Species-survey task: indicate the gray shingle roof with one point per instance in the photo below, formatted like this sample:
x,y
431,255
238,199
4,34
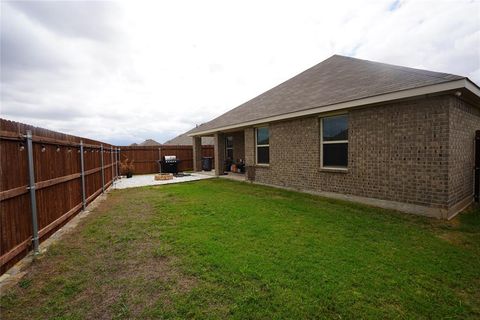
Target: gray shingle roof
x,y
149,143
184,140
335,80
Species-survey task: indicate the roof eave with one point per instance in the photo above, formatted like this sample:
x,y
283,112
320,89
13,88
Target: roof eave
x,y
403,94
472,87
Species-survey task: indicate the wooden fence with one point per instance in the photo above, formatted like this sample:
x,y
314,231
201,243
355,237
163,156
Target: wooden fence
x,y
57,183
145,159
60,190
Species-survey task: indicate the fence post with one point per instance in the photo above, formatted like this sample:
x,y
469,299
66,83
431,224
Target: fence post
x,y
103,172
116,162
82,174
31,187
111,161
160,159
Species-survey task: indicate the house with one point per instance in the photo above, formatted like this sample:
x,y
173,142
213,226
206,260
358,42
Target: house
x,y
184,140
149,143
146,143
380,134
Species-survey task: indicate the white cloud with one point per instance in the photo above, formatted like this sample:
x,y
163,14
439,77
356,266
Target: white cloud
x,y
126,71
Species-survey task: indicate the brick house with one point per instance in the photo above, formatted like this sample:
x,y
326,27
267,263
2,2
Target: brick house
x,y
380,134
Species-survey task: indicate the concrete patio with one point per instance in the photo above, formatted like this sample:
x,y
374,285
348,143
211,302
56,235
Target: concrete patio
x,y
149,180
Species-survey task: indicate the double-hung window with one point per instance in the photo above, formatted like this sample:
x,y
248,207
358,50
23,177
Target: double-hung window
x,y
334,142
262,144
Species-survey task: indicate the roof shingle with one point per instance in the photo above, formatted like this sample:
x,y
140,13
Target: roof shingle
x,y
184,140
335,80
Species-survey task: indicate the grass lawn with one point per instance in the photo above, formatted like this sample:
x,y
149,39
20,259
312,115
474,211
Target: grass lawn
x,y
223,249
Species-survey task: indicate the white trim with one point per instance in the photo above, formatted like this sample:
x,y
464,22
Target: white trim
x,y
335,141
261,145
452,85
333,168
472,87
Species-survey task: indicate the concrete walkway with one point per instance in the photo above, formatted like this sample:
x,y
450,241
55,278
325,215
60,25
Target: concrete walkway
x,y
149,180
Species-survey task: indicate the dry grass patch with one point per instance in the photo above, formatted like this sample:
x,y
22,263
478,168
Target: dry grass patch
x,y
114,265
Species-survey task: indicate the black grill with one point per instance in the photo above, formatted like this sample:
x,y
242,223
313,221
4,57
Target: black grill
x,y
169,164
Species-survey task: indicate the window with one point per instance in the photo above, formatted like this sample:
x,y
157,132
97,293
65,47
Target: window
x,y
229,147
263,145
334,142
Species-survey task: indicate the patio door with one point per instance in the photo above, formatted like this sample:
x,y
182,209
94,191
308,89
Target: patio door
x,y
229,148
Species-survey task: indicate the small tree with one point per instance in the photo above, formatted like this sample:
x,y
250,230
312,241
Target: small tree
x,y
127,167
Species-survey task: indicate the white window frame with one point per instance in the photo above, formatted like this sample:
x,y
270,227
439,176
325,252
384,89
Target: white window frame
x,y
262,145
332,142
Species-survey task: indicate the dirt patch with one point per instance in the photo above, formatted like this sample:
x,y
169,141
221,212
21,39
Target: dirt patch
x,y
453,237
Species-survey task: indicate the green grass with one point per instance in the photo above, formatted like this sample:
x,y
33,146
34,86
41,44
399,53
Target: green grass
x,y
220,249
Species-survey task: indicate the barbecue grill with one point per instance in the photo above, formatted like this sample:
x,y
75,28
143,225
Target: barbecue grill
x,y
169,164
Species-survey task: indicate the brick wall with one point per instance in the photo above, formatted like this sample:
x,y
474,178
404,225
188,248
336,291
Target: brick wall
x,y
249,136
397,152
238,145
464,121
219,147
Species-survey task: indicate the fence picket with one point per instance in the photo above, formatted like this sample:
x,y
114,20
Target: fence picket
x,y
63,182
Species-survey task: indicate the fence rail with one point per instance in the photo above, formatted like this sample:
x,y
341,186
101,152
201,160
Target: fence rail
x,y
41,183
47,177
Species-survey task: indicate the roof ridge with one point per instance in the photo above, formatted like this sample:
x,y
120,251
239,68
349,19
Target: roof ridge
x,y
424,72
272,88
335,80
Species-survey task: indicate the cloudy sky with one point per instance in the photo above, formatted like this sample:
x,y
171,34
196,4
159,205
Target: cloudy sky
x,y
122,72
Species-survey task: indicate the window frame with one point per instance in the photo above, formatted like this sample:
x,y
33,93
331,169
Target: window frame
x,y
227,147
322,142
262,145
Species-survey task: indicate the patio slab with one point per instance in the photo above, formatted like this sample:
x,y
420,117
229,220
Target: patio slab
x,y
149,180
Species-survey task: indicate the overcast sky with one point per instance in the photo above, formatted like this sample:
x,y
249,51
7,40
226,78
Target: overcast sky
x,y
122,72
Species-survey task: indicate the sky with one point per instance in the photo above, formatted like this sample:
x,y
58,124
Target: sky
x,y
125,71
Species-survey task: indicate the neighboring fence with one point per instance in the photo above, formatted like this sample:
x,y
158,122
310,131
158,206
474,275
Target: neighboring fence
x,y
45,168
145,159
59,189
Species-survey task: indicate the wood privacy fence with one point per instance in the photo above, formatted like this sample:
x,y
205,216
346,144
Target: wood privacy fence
x,y
57,185
64,174
145,159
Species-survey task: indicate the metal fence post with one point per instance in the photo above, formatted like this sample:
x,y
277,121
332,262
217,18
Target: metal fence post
x,y
160,160
103,171
118,162
82,174
111,161
31,187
